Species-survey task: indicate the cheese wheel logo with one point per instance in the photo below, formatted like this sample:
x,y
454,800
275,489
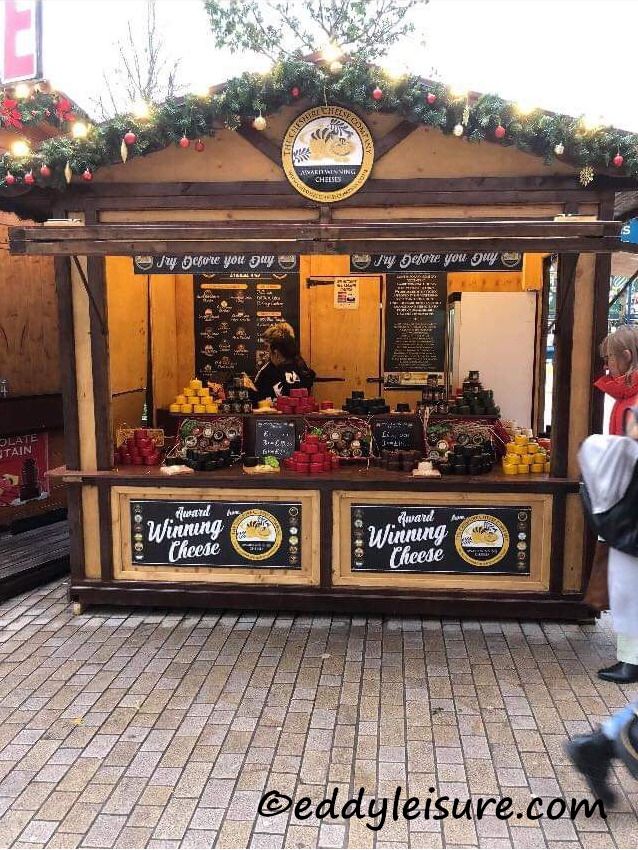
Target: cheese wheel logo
x,y
327,154
256,535
482,540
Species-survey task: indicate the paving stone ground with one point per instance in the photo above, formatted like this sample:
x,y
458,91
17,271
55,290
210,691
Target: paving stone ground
x,y
138,728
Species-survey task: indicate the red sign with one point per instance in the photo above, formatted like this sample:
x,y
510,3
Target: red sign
x,y
24,467
22,40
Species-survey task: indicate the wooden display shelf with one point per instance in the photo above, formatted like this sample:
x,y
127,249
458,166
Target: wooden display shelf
x,y
357,477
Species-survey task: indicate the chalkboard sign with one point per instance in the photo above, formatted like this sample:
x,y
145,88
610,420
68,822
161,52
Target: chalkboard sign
x,y
232,311
216,534
401,432
415,320
275,437
427,539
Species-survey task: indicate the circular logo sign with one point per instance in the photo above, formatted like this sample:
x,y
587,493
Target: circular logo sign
x,y
256,535
327,154
482,540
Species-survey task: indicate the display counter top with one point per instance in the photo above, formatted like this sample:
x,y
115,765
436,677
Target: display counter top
x,y
359,477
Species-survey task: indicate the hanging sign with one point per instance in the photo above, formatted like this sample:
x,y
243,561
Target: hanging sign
x,y
214,263
24,468
216,534
469,261
22,39
327,154
427,539
346,293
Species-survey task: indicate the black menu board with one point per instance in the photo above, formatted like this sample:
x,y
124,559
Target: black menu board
x,y
400,432
439,539
275,437
415,319
216,534
232,311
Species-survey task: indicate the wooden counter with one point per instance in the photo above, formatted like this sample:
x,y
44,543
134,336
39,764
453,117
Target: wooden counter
x,y
326,576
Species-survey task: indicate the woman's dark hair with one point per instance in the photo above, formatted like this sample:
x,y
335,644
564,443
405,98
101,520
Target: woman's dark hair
x,y
286,346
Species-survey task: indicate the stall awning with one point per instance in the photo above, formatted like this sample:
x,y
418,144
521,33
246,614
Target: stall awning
x,y
346,237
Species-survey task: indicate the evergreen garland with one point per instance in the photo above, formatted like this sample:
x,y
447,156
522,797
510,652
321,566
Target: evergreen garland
x,y
249,95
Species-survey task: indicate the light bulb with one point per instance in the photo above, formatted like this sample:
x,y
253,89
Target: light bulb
x,y
20,148
141,109
525,107
21,91
79,130
331,52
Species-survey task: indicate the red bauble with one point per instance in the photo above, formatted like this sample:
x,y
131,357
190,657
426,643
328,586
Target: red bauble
x,y
86,175
184,142
45,171
295,91
29,179
130,138
377,93
10,179
431,98
618,160
500,131
199,146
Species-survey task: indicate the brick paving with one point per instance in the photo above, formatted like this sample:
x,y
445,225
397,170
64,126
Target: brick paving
x,y
135,728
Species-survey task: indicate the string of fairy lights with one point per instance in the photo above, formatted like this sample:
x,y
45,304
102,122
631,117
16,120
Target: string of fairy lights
x,y
80,147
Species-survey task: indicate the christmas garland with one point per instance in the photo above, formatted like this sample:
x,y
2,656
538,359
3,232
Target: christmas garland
x,y
249,97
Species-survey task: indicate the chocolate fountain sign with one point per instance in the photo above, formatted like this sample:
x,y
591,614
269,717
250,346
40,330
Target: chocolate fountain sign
x,y
327,154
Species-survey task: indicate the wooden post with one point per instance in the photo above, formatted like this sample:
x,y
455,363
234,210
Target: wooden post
x,y
563,339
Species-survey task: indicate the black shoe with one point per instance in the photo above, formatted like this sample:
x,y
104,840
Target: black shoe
x,y
591,756
621,673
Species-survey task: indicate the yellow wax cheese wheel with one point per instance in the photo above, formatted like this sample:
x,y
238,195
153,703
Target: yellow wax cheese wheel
x,y
532,448
526,460
195,384
523,469
189,392
512,459
199,408
186,408
180,399
265,402
548,467
212,408
538,467
204,392
174,408
520,450
510,446
521,440
508,469
540,457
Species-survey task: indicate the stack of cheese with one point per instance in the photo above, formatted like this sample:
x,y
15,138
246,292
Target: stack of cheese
x,y
525,456
194,399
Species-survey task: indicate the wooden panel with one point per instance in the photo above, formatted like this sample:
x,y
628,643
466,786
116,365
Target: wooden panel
x,y
128,325
185,214
185,328
91,532
453,211
124,569
343,343
164,340
29,358
581,388
538,580
574,545
484,282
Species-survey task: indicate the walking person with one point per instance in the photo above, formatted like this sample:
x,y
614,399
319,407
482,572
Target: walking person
x,y
620,352
609,466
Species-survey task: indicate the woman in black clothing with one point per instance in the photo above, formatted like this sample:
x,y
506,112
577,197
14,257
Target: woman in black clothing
x,y
286,369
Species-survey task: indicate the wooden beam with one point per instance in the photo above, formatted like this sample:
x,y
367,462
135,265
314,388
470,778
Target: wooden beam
x,y
96,279
563,341
393,138
63,286
262,143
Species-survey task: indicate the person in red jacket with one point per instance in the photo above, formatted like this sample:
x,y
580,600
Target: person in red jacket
x,y
620,351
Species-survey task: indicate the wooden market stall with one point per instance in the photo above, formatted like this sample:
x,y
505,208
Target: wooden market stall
x,y
342,253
